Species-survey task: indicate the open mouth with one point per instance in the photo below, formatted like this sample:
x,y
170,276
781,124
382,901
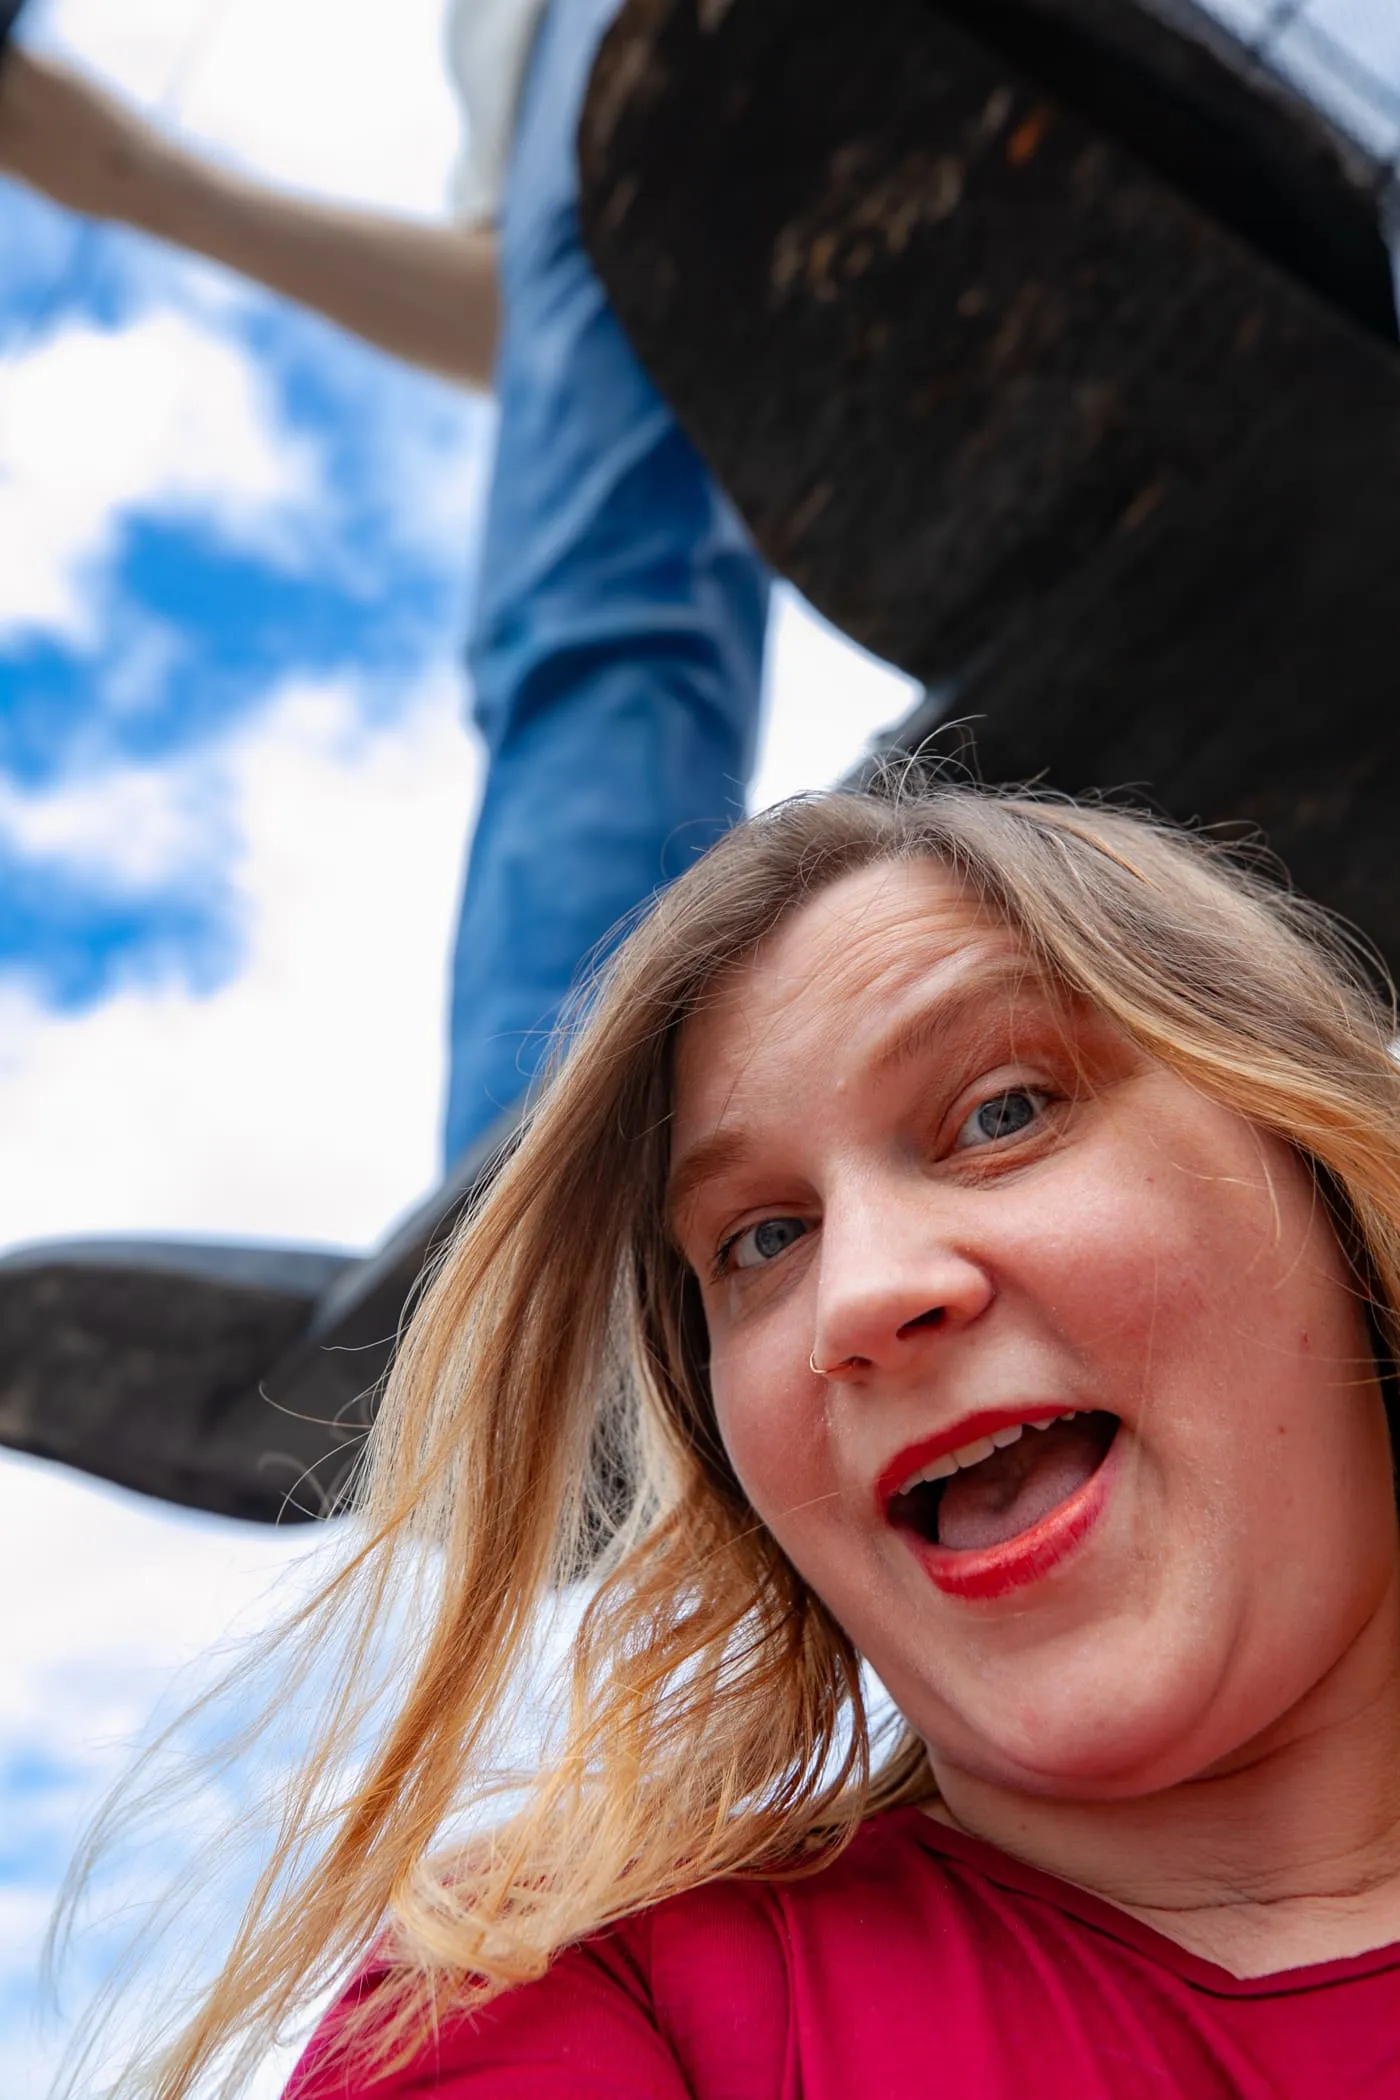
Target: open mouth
x,y
998,1486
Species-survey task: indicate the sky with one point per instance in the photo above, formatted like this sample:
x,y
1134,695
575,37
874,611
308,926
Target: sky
x,y
235,788
236,784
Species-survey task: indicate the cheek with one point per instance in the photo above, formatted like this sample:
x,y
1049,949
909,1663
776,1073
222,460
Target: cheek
x,y
1112,1282
1172,1266
773,1423
1219,1300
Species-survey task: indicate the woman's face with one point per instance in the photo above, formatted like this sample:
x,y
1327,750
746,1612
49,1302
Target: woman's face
x,y
978,1212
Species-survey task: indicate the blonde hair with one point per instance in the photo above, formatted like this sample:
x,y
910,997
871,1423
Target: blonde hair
x,y
549,1412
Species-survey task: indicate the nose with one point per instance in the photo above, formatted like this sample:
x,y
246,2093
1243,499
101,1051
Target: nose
x,y
892,1277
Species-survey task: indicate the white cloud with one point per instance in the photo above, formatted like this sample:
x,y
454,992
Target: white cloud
x,y
137,828
430,465
119,1595
163,416
195,1581
302,1101
827,701
242,78
422,449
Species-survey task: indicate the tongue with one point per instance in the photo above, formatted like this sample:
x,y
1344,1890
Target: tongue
x,y
1015,1488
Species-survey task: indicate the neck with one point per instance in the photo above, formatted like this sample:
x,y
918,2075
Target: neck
x,y
1286,1854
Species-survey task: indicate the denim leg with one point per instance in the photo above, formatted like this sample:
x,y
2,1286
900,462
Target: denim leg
x,y
617,647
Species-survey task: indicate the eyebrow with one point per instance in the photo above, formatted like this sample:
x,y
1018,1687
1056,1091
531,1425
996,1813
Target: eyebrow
x,y
726,1151
715,1156
947,1010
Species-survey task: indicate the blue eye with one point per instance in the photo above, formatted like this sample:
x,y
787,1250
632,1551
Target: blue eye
x,y
762,1243
1003,1116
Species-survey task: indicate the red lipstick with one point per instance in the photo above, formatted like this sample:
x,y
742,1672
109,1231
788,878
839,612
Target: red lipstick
x,y
990,1572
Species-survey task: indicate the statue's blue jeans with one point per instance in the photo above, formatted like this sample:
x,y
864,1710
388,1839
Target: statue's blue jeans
x,y
617,645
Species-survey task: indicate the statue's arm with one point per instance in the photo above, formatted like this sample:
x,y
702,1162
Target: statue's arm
x,y
425,293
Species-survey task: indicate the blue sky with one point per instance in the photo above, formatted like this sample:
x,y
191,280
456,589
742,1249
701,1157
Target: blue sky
x,y
235,789
191,598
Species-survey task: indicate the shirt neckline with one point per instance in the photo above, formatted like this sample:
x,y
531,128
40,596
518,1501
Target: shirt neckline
x,y
1095,1911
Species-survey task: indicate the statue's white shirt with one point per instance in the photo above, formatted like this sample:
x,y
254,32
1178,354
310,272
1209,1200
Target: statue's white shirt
x,y
488,48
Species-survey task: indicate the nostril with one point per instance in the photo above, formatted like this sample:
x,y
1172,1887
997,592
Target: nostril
x,y
934,1317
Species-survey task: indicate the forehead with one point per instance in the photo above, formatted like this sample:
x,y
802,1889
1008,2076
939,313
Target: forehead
x,y
881,945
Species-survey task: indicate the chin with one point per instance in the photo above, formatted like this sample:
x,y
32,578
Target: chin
x,y
1085,1739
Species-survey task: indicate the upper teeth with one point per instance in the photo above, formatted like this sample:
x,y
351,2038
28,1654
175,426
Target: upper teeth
x,y
973,1454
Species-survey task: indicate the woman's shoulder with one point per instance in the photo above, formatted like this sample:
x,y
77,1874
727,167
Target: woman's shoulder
x,y
691,1997
732,1964
745,1918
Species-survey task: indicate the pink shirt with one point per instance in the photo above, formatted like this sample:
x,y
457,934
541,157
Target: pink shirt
x,y
921,1964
